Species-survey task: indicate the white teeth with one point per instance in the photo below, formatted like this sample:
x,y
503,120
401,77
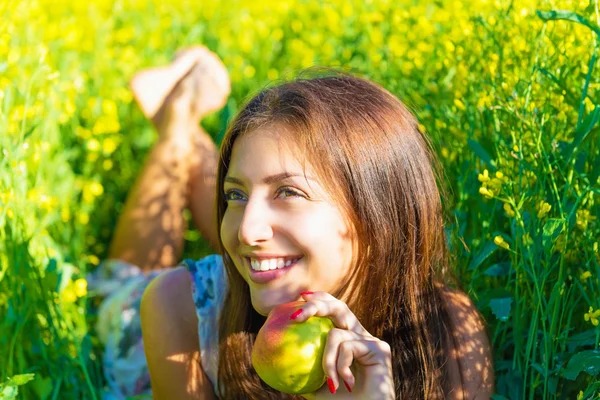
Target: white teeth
x,y
265,265
270,264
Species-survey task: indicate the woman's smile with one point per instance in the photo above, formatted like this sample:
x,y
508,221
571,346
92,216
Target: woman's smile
x,y
266,270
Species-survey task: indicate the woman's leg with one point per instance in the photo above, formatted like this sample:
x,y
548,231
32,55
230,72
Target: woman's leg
x,y
180,169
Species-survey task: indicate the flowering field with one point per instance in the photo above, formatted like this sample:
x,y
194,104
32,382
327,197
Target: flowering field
x,y
508,90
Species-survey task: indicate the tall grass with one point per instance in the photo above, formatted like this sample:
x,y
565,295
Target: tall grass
x,y
508,90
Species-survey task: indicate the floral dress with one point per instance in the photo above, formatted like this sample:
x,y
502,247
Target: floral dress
x,y
119,326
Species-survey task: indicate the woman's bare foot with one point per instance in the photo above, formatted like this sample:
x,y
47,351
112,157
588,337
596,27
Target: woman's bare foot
x,y
196,83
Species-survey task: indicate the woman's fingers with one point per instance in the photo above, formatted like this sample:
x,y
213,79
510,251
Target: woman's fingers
x,y
344,347
322,304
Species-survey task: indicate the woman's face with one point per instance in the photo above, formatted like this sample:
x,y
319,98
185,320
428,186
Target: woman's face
x,y
282,230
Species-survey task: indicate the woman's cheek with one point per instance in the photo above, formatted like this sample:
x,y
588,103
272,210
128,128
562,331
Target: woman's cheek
x,y
229,229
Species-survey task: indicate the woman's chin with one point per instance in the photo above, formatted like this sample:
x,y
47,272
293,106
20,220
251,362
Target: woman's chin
x,y
264,304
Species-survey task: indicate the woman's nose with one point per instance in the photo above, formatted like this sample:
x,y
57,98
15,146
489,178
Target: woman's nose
x,y
255,226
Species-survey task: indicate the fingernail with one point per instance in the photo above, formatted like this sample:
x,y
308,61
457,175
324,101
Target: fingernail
x,y
295,314
331,385
348,387
305,293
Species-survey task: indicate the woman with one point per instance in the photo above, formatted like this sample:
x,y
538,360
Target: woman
x,y
324,186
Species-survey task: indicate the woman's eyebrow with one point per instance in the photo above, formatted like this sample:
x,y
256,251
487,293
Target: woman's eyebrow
x,y
269,179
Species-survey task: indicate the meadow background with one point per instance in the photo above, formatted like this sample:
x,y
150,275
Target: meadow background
x,y
508,90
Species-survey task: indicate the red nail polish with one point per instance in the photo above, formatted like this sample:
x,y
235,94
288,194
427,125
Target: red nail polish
x,y
295,314
331,386
348,387
305,293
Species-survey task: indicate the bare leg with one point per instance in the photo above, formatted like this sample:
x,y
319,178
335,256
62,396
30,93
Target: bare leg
x,y
150,229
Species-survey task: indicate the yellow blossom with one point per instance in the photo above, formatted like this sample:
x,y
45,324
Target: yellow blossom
x,y
484,177
500,242
93,259
459,104
584,276
80,287
583,218
486,192
68,295
543,208
527,240
508,209
592,316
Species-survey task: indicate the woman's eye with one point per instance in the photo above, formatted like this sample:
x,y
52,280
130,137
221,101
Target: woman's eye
x,y
233,195
288,192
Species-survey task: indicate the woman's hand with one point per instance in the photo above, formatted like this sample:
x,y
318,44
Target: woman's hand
x,y
357,364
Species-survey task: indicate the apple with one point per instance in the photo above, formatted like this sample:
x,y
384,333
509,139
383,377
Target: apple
x,y
287,355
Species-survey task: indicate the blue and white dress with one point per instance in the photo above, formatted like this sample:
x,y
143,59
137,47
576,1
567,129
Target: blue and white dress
x,y
119,326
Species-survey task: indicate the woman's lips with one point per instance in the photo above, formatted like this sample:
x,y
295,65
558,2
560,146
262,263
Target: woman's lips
x,y
268,276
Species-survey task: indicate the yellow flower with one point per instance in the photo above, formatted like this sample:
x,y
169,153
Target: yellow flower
x,y
484,177
96,188
583,218
93,259
592,316
83,218
583,277
272,74
65,214
80,287
543,208
109,145
68,295
486,192
508,209
500,242
249,71
527,241
459,104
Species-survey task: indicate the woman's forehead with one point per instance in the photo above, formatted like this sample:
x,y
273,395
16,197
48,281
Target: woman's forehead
x,y
268,150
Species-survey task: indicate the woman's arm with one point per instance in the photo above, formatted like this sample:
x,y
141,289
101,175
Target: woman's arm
x,y
170,332
470,366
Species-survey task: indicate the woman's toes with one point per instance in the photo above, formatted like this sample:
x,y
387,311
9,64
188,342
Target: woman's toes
x,y
213,84
151,86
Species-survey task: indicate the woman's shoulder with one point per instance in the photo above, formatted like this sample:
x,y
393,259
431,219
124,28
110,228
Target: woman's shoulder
x,y
469,347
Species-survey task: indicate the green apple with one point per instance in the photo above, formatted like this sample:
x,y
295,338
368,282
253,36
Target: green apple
x,y
287,355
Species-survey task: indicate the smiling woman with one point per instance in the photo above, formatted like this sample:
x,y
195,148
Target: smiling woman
x,y
326,193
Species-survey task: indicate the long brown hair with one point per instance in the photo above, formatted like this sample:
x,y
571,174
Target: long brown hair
x,y
366,147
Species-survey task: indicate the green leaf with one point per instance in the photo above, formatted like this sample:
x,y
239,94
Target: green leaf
x,y
42,387
484,253
499,269
22,379
585,361
572,16
9,393
481,153
501,308
584,129
552,228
